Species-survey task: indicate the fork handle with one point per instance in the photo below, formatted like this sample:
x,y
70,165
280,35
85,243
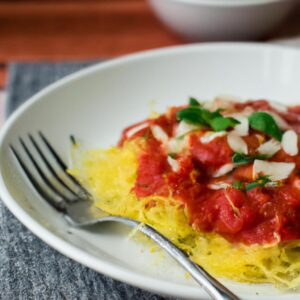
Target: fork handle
x,y
212,286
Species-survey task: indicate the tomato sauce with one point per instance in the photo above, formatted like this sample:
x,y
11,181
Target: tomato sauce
x,y
257,216
150,174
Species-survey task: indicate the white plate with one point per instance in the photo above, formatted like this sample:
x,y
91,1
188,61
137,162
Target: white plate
x,y
96,103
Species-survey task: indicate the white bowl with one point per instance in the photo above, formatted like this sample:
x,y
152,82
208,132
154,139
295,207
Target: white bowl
x,y
221,20
96,103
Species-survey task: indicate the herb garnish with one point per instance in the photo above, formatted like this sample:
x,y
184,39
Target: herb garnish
x,y
261,181
243,159
265,123
194,102
222,123
238,185
191,114
197,115
172,155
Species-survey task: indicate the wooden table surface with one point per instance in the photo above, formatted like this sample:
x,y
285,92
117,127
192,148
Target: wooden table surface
x,y
59,30
73,30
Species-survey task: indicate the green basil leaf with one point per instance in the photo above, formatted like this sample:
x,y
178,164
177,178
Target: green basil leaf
x,y
251,186
223,123
194,102
172,155
243,159
208,116
198,115
238,185
265,123
259,182
191,114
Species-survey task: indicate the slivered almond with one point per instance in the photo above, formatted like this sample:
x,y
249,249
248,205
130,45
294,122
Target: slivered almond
x,y
269,148
211,135
241,129
289,142
174,164
276,170
237,144
222,101
159,134
218,185
278,106
224,170
247,111
184,128
176,145
136,129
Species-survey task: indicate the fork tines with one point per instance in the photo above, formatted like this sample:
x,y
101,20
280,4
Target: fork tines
x,y
51,180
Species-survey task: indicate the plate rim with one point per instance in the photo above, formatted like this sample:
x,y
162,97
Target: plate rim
x,y
133,278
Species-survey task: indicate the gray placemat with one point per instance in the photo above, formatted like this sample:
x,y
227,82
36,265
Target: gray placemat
x,y
29,269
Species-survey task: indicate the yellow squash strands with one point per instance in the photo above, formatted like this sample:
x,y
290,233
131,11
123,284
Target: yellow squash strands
x,y
110,175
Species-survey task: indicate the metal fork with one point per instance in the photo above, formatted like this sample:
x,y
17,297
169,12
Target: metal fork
x,y
66,195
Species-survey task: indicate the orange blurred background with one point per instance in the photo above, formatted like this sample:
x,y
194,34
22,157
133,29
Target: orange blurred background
x,y
77,30
59,30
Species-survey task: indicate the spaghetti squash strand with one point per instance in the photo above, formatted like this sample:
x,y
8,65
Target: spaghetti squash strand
x,y
110,175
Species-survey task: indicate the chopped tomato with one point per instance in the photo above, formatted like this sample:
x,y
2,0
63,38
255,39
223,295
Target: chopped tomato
x,y
243,173
184,182
171,114
164,123
213,154
260,215
256,105
225,211
252,142
294,109
151,170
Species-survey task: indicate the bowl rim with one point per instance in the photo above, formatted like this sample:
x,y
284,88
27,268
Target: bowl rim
x,y
228,3
156,285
